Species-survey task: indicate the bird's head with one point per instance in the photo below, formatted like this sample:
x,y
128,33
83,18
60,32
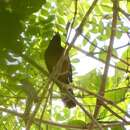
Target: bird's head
x,y
56,40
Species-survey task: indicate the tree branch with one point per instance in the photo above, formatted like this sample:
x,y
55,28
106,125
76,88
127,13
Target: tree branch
x,y
104,76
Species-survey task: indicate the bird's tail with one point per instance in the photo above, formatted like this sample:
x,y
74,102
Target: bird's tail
x,y
67,99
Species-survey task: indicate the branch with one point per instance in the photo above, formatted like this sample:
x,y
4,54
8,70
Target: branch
x,y
105,50
60,83
90,55
32,116
109,54
121,10
75,13
102,99
104,77
79,29
36,121
120,47
44,72
125,13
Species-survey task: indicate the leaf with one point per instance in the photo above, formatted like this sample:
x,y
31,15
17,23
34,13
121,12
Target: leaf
x,y
98,9
61,114
118,127
60,27
116,95
104,36
25,8
61,20
124,28
114,52
128,6
50,18
91,80
28,88
94,29
103,53
75,60
108,31
106,9
118,34
10,29
77,123
92,47
125,57
101,27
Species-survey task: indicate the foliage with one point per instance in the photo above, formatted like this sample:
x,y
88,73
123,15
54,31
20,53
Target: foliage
x,y
26,27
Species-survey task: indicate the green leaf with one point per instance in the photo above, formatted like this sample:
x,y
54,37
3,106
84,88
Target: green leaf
x,y
94,29
118,127
101,27
118,34
60,27
78,123
25,8
128,6
106,9
98,9
10,29
91,80
125,57
75,60
116,95
93,46
61,20
103,54
65,113
124,29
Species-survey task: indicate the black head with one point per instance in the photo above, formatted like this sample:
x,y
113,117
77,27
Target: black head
x,y
56,40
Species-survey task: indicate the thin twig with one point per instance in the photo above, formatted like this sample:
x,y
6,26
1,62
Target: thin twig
x,y
94,57
73,21
82,23
120,47
125,13
36,121
102,99
61,84
43,73
37,105
123,61
45,105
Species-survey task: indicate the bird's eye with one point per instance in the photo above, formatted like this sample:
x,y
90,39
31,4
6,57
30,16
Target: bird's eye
x,y
70,90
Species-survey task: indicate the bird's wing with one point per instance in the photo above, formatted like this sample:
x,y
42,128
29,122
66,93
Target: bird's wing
x,y
66,71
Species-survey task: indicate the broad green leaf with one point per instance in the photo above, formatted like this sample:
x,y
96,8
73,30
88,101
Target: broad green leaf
x,y
118,34
118,127
128,6
91,80
106,8
125,57
116,95
93,46
78,123
101,27
103,53
10,29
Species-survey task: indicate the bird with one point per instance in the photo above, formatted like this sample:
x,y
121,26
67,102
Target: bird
x,y
52,55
